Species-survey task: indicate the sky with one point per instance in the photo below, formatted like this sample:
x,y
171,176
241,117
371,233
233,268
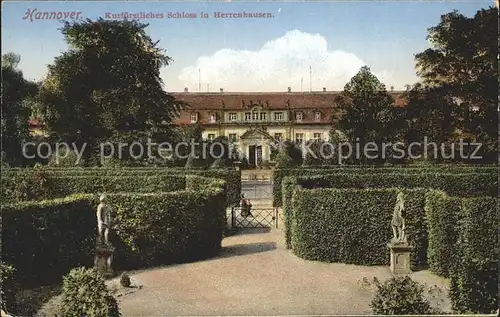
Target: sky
x,y
302,45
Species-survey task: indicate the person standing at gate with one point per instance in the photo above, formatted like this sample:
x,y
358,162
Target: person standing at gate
x,y
246,206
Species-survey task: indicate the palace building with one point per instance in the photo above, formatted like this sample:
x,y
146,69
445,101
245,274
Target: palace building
x,y
255,119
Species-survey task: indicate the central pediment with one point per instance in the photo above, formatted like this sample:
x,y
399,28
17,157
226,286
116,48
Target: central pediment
x,y
255,134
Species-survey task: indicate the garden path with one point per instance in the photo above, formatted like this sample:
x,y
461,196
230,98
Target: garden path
x,y
256,275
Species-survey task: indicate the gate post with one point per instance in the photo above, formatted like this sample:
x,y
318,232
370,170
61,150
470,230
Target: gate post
x,y
276,215
232,218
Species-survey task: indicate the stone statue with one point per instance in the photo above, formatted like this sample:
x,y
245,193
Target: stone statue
x,y
398,222
103,220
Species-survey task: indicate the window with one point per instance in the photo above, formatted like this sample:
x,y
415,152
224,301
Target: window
x,y
263,116
317,136
299,137
255,116
248,116
194,117
298,116
212,117
278,136
233,116
232,137
317,116
211,137
278,116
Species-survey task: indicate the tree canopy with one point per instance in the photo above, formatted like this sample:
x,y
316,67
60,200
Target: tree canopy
x,y
107,84
367,109
460,80
16,90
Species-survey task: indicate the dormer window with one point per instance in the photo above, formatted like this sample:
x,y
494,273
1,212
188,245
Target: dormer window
x,y
255,116
194,117
298,116
213,118
317,116
232,116
248,116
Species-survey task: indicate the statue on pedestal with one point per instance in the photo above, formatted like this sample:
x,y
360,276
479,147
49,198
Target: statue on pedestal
x,y
399,247
103,220
104,249
398,222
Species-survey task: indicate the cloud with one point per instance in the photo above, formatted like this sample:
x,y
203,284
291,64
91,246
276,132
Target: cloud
x,y
278,64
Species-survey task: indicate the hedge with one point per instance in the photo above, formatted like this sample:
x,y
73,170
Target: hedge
x,y
353,225
279,174
43,240
288,186
442,214
154,229
40,184
478,184
230,176
474,277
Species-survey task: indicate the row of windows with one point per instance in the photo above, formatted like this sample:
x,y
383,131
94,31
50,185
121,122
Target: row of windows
x,y
299,137
256,116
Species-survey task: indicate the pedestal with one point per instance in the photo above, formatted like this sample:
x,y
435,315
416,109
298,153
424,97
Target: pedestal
x,y
104,259
400,258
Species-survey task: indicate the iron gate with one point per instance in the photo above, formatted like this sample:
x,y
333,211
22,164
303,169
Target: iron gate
x,y
258,218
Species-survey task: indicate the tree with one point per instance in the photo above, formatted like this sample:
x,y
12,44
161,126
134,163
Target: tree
x,y
462,64
15,113
107,84
367,111
430,113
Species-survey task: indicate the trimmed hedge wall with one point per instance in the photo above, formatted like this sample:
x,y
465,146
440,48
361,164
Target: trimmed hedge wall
x,y
442,214
463,245
230,176
353,225
154,229
47,185
479,184
288,186
279,174
43,240
474,277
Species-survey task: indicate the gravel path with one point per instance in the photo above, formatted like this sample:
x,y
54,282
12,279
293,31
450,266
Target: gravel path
x,y
255,275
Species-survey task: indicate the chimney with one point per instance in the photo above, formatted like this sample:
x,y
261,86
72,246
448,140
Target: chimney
x,y
221,90
289,89
324,89
186,89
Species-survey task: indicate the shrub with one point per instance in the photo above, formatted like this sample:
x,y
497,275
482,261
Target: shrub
x,y
85,294
8,287
26,184
400,296
70,160
220,163
195,162
125,280
283,160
